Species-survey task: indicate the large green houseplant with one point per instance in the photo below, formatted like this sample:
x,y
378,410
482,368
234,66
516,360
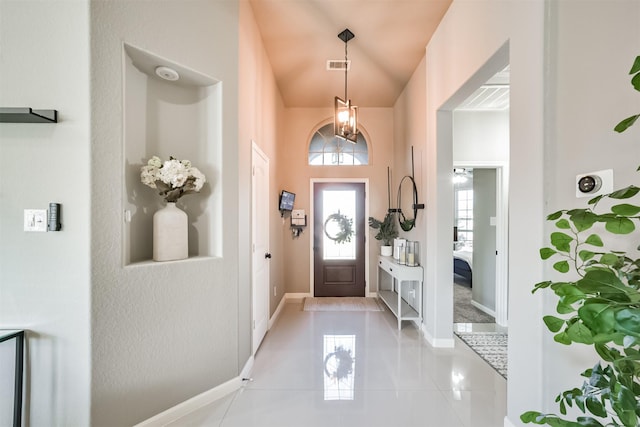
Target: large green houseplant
x,y
601,308
387,231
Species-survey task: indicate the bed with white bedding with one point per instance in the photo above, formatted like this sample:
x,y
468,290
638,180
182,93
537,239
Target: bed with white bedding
x,y
462,262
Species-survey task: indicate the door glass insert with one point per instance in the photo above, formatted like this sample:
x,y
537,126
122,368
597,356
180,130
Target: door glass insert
x,y
343,203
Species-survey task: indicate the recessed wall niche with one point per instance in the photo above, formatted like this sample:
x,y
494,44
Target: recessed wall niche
x,y
180,118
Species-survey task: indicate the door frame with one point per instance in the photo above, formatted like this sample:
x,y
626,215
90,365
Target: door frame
x,y
502,233
364,181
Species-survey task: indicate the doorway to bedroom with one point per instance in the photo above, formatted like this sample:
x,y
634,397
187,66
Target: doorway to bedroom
x,y
480,175
474,245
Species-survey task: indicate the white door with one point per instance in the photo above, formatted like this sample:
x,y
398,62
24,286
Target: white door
x,y
260,247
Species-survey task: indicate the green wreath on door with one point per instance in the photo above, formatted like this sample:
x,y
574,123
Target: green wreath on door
x,y
345,226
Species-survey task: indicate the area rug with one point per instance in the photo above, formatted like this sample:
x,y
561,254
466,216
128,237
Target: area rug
x,y
341,304
491,346
463,311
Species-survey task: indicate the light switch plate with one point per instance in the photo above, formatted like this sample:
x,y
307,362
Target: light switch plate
x,y
35,220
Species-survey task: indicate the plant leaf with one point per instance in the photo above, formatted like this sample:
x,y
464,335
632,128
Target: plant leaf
x,y
562,338
583,219
624,406
626,123
585,255
554,324
625,193
595,407
620,226
546,253
561,241
578,332
554,216
541,285
599,317
596,199
594,240
562,266
601,281
628,341
635,81
530,417
564,308
628,321
604,352
609,259
636,66
625,209
563,224
586,422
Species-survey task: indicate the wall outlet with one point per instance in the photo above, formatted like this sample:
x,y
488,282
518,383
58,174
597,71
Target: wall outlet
x,y
35,220
275,292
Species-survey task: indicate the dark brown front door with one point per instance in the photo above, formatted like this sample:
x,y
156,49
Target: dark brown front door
x,y
338,264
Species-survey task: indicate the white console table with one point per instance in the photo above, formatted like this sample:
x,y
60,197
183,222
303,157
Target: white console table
x,y
393,297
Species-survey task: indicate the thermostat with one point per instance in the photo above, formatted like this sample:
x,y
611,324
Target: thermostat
x,y
594,183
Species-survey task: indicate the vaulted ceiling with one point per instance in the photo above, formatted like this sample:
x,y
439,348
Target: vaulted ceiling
x,y
300,36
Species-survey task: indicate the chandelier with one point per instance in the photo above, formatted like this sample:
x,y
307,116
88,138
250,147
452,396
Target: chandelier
x,y
345,123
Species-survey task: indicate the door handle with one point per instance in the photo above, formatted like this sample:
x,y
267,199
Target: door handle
x,y
267,255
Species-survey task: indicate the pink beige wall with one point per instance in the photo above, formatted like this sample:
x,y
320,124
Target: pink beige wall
x,y
260,111
410,132
295,175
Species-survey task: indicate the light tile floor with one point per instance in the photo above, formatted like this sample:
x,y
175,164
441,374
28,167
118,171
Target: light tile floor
x,y
378,377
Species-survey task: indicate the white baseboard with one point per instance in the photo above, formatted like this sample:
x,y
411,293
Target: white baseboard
x,y
437,342
481,307
181,409
296,297
276,313
248,367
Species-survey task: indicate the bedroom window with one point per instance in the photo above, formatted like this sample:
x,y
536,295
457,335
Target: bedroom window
x,y
328,150
464,217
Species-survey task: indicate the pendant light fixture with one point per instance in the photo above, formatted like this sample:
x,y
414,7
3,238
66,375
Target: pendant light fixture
x,y
345,122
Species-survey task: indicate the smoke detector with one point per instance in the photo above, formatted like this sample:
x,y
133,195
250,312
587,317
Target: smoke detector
x,y
167,73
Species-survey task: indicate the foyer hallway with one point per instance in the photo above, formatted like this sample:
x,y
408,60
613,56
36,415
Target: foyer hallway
x,y
355,369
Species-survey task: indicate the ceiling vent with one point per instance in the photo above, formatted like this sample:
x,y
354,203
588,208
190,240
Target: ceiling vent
x,y
338,65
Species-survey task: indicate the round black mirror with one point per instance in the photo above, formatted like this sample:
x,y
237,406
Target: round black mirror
x,y
407,213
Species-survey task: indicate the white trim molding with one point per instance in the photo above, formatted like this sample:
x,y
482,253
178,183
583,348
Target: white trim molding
x,y
437,342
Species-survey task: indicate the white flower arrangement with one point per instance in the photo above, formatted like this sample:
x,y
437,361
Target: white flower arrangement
x,y
174,178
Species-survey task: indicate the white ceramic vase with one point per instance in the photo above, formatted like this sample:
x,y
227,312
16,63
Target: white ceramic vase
x,y
386,250
170,234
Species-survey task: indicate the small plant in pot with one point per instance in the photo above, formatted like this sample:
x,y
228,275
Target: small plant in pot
x,y
386,232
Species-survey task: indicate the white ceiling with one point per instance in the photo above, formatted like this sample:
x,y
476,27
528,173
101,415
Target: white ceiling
x,y
390,40
492,96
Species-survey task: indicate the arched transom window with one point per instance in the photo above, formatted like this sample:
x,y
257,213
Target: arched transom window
x,y
327,149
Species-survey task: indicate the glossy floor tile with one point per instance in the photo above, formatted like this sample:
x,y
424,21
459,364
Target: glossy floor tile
x,y
356,369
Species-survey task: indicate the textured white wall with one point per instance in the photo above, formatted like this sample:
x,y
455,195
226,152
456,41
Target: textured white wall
x,y
44,277
480,136
469,36
161,332
594,45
